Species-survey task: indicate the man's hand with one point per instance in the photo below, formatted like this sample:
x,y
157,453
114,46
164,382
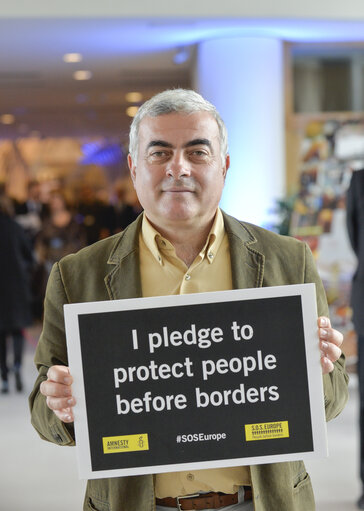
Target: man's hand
x,y
330,342
58,391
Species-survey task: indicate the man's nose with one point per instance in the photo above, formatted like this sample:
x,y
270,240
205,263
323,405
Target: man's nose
x,y
178,167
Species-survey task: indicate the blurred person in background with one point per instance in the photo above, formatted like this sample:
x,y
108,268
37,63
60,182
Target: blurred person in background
x,y
355,224
128,206
105,214
60,235
31,213
16,261
95,214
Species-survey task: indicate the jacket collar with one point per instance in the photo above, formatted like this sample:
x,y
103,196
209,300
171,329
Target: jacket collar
x,y
125,260
247,263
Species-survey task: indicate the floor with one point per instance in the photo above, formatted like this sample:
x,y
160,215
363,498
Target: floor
x,y
39,476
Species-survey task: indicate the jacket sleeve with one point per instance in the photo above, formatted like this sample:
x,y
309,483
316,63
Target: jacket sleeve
x,y
51,350
336,382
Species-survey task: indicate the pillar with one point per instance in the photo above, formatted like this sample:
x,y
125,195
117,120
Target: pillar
x,y
243,78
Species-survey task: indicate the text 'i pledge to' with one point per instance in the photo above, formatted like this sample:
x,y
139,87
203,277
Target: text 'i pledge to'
x,y
202,337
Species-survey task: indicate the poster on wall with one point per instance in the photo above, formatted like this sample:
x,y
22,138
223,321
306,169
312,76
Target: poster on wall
x,y
196,381
331,150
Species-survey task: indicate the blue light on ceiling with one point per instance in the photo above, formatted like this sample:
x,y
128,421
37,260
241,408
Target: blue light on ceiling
x,y
104,154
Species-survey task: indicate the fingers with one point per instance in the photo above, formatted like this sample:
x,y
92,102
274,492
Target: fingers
x,y
50,388
330,350
60,374
330,343
65,415
59,403
58,391
323,322
327,365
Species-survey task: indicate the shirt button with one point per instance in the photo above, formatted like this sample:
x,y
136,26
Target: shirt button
x,y
190,477
187,276
210,255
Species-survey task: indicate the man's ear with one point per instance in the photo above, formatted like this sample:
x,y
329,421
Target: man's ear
x,y
132,167
227,165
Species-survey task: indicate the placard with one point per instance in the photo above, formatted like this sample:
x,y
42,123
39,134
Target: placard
x,y
196,381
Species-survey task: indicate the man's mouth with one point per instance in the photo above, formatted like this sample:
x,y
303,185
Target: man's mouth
x,y
177,190
178,186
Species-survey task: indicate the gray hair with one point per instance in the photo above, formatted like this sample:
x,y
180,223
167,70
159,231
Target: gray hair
x,y
171,101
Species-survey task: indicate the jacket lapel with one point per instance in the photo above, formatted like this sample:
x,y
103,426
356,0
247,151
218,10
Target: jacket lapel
x,y
123,281
247,264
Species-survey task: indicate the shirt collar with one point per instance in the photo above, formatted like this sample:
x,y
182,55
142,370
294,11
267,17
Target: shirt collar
x,y
214,238
159,246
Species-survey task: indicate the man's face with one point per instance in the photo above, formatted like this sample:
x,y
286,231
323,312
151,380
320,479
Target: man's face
x,y
179,175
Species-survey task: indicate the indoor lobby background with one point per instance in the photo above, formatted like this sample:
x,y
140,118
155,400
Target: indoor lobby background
x,y
288,81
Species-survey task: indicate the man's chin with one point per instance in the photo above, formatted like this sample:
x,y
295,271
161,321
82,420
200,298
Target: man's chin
x,y
179,210
181,217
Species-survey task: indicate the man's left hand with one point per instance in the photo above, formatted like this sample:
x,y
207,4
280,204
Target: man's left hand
x,y
330,343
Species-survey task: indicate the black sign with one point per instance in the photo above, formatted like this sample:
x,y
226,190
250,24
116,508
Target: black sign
x,y
193,383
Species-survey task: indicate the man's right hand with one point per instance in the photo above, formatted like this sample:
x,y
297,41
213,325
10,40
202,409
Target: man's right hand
x,y
58,391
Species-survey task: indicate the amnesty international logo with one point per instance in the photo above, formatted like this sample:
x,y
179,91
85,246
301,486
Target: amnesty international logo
x,y
126,443
266,431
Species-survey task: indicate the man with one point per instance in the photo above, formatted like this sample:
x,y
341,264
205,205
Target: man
x,y
355,224
182,244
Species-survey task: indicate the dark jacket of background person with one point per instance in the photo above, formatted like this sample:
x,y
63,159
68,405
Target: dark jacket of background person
x,y
16,262
54,242
109,270
355,224
60,235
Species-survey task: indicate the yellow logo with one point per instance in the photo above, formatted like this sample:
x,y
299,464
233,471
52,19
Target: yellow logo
x,y
266,431
127,443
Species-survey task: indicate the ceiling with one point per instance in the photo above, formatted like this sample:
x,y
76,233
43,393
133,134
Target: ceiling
x,y
37,87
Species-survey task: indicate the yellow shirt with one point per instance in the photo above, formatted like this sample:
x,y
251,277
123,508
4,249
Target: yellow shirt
x,y
163,273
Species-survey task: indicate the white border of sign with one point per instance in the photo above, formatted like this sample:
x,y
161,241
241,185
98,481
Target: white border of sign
x,y
314,374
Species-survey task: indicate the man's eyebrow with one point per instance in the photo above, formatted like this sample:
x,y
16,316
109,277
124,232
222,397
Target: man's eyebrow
x,y
199,141
191,143
159,143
